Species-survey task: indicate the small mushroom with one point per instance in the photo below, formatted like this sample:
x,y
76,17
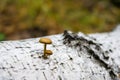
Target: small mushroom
x,y
45,41
48,52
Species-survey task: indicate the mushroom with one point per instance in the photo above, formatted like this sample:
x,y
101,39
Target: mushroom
x,y
48,52
45,41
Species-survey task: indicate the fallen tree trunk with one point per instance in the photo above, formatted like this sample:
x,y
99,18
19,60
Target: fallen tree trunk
x,y
75,57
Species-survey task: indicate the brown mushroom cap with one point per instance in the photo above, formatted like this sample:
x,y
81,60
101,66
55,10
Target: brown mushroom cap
x,y
48,52
45,40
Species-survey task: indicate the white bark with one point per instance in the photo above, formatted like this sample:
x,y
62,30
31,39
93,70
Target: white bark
x,y
19,59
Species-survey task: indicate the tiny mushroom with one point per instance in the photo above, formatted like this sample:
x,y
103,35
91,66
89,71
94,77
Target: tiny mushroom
x,y
45,41
48,52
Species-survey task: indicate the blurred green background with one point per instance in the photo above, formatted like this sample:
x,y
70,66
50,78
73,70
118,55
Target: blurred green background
x,y
20,19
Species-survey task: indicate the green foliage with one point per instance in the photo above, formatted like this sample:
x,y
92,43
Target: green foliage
x,y
2,37
77,15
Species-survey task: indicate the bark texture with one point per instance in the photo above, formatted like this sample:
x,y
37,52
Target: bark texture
x,y
75,57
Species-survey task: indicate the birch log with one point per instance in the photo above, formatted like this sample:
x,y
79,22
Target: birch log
x,y
22,60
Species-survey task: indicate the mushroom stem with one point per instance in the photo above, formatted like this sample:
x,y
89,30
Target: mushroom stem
x,y
45,51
